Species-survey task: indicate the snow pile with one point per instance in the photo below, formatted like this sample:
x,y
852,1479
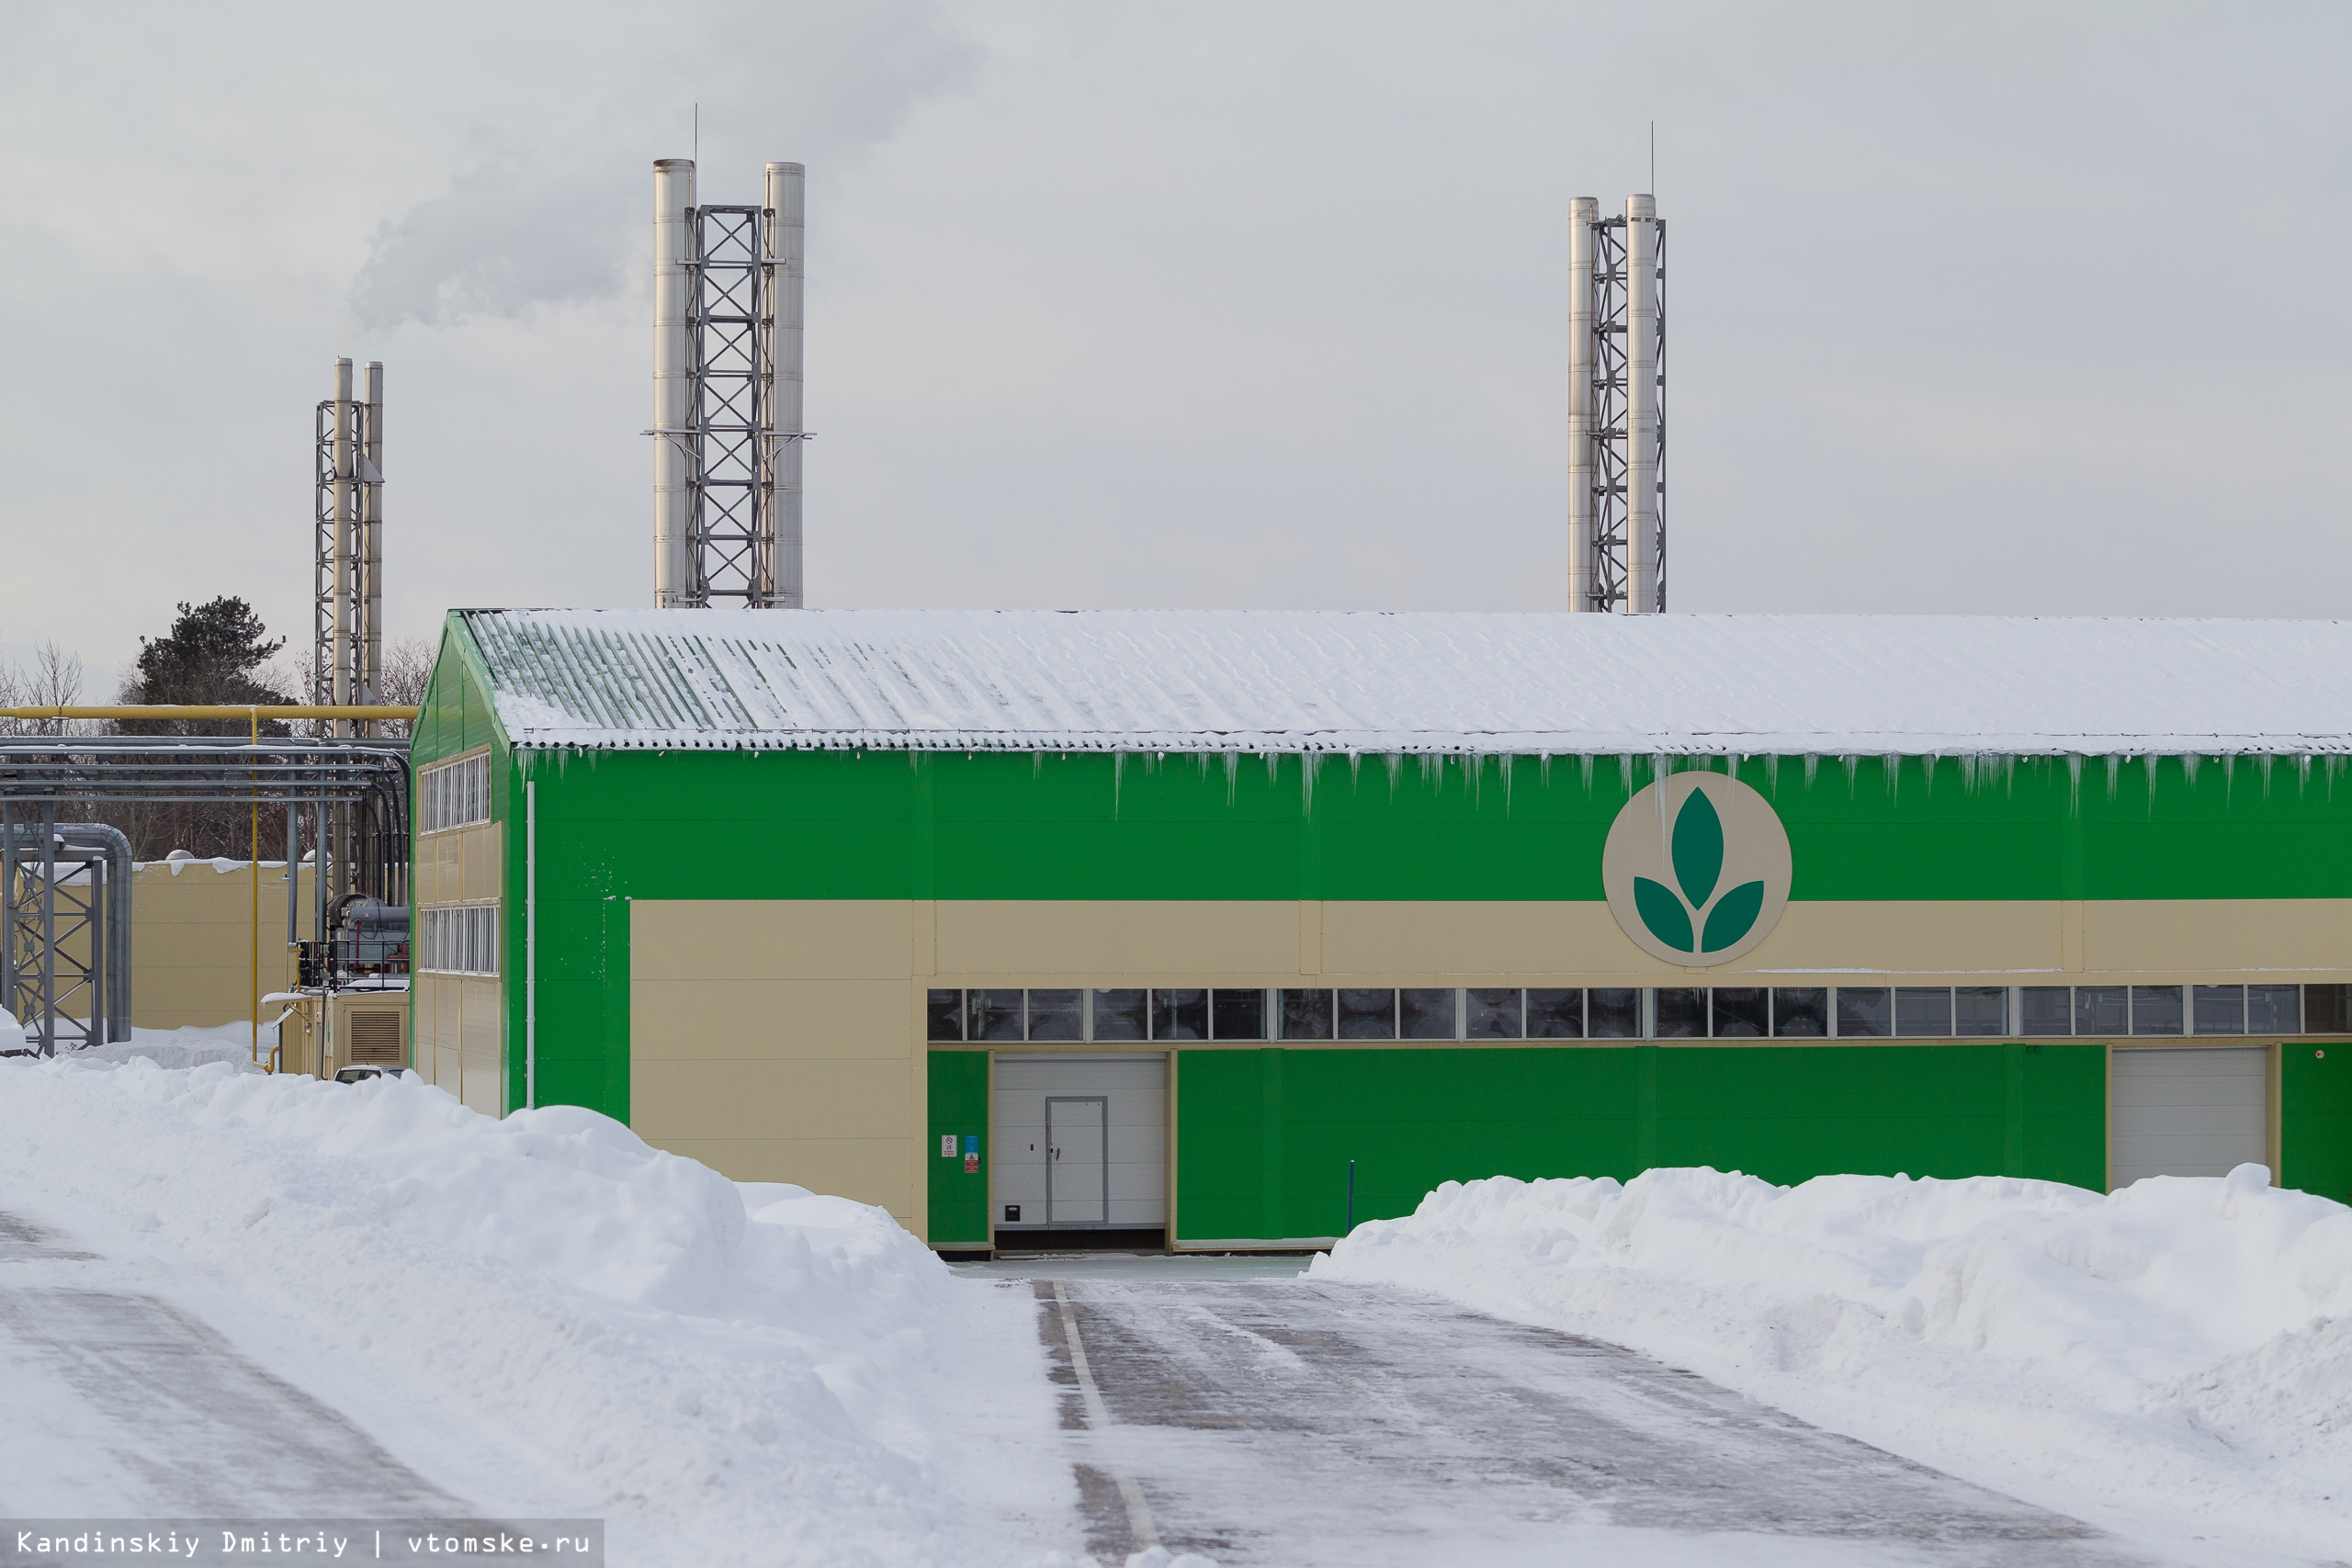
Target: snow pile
x,y
712,1367
12,1033
2184,1345
190,1045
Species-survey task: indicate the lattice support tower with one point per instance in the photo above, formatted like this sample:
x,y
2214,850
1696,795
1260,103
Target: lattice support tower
x,y
347,573
726,404
1617,409
55,935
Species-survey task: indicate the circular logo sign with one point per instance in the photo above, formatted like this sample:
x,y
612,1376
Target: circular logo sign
x,y
1697,869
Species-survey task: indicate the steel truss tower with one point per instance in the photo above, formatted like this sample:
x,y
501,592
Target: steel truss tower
x,y
1617,409
347,545
727,393
348,579
64,929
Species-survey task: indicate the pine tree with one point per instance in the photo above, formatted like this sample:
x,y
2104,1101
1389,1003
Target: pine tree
x,y
214,654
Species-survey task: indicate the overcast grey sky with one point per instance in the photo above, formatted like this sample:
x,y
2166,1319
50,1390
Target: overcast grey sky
x,y
1981,307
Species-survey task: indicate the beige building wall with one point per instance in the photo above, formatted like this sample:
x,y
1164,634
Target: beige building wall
x,y
2215,941
781,1042
192,940
460,1020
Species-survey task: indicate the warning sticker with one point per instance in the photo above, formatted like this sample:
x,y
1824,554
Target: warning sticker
x,y
971,1165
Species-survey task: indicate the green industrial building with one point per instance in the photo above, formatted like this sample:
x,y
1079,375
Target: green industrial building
x,y
1223,928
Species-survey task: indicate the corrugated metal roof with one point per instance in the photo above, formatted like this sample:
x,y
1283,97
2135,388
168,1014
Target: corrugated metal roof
x,y
1288,681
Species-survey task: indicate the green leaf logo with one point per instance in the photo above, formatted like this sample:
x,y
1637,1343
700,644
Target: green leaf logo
x,y
1698,865
1732,916
1696,868
1664,913
1698,849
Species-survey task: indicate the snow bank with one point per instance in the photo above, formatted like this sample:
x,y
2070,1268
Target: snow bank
x,y
191,1046
2183,1346
721,1381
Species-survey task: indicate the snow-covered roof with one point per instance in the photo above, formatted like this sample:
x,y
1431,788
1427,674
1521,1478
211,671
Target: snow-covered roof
x,y
1306,681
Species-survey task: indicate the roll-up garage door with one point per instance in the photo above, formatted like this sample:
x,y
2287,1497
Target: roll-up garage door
x,y
1100,1122
2190,1111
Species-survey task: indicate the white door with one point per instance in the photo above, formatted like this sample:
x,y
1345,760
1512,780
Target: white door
x,y
2190,1111
1134,1089
1078,1173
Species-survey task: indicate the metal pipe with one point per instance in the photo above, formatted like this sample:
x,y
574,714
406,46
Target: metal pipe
x,y
7,907
47,928
293,867
673,447
208,710
340,666
370,682
319,878
787,224
1641,406
119,875
1583,212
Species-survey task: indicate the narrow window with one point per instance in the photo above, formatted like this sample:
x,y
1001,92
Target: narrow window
x,y
2219,1010
1611,1013
2102,1010
1868,1012
1367,1015
996,1015
1056,1015
1427,1012
1238,1015
2155,1009
1493,1014
1180,1015
2049,1009
1121,1015
1559,1014
1742,1012
946,1010
1306,1015
1681,1012
1801,1012
2326,1010
1980,1010
1923,1010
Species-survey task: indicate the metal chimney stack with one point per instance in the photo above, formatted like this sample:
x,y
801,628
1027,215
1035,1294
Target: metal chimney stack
x,y
1616,409
1582,212
674,435
370,652
786,229
343,494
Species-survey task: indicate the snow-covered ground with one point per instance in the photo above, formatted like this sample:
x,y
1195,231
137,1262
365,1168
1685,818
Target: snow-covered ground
x,y
543,1317
2172,1361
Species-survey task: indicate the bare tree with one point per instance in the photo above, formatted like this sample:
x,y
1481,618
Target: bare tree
x,y
52,679
408,670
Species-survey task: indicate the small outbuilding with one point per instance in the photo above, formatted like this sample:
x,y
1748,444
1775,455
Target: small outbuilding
x,y
1229,929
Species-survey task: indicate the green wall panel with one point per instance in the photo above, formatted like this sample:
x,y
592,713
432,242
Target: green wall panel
x,y
960,1109
1264,1137
864,825
2316,1120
